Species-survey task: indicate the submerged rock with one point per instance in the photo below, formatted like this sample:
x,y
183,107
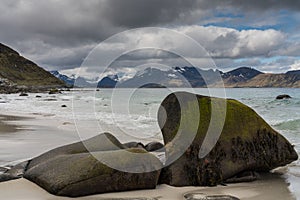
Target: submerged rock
x,y
73,171
246,143
283,96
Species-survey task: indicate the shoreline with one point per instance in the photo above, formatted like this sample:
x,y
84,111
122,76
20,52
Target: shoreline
x,y
271,186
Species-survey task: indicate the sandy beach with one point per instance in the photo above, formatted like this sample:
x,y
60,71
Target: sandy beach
x,y
6,126
271,186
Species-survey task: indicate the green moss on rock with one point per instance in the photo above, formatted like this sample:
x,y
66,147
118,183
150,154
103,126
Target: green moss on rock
x,y
246,142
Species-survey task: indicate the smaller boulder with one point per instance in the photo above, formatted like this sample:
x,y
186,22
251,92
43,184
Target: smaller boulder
x,y
138,145
3,169
15,172
154,146
38,96
81,174
283,96
63,106
23,94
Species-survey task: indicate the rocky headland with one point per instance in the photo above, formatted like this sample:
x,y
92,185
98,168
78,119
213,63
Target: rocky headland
x,y
18,74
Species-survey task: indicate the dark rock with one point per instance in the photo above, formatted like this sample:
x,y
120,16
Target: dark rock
x,y
201,196
138,145
23,95
63,106
3,169
82,174
154,146
50,99
15,172
73,171
7,177
38,96
246,143
283,96
18,170
248,176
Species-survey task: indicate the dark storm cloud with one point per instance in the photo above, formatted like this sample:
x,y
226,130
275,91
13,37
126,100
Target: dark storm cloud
x,y
136,13
259,5
59,34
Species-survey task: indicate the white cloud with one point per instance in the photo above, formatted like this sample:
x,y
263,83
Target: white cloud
x,y
295,65
231,43
223,44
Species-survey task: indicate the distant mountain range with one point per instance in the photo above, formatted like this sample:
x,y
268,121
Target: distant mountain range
x,y
194,77
72,81
20,74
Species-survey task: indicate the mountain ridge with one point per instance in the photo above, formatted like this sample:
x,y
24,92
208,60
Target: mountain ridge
x,y
18,73
193,77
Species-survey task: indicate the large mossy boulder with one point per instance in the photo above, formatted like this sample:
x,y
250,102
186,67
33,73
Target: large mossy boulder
x,y
245,142
73,171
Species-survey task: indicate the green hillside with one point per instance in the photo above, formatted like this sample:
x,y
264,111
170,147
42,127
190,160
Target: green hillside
x,y
23,72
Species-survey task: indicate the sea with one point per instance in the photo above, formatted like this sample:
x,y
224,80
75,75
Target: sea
x,y
131,115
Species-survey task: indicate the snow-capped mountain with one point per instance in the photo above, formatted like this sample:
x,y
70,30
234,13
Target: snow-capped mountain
x,y
72,81
241,74
109,81
190,77
69,81
175,77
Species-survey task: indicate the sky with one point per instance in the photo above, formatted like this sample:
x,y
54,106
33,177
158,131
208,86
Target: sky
x,y
60,34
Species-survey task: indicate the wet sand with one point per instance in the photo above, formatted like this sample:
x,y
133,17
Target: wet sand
x,y
6,126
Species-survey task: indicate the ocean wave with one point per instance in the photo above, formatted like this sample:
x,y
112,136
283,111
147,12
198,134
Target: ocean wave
x,y
289,125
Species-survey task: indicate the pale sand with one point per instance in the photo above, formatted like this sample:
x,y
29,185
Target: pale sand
x,y
46,128
271,188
